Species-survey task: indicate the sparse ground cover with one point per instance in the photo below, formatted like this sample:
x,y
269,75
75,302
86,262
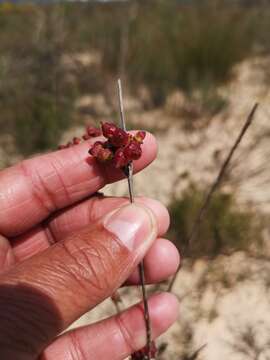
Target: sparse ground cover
x,y
210,289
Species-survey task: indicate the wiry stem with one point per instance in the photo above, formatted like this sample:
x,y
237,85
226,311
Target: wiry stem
x,y
146,310
215,185
129,174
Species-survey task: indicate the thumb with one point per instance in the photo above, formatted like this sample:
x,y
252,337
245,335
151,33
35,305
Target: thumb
x,y
54,288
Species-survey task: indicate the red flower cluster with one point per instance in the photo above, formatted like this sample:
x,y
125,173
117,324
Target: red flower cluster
x,y
120,148
142,354
91,131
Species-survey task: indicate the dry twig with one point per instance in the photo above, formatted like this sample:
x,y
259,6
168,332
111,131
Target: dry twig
x,y
215,185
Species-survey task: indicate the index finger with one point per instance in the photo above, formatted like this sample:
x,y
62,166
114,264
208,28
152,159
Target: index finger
x,y
35,188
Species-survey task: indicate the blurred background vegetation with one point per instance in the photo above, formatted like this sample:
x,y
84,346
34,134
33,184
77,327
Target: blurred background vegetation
x,y
52,56
156,44
226,228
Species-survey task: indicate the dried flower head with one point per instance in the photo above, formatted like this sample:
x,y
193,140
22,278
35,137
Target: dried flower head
x,y
116,136
139,136
133,150
120,148
100,152
108,129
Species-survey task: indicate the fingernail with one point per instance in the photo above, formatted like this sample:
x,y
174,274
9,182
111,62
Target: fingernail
x,y
134,225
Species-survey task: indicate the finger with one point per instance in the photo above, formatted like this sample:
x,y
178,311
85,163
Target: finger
x,y
160,262
33,242
32,190
7,258
78,217
117,337
73,276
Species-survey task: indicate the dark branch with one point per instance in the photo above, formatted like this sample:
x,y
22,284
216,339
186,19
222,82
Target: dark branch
x,y
215,185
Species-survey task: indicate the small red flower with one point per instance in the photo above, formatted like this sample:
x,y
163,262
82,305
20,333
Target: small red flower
x,y
115,135
76,141
100,152
108,129
86,137
142,354
133,150
120,160
120,138
96,148
121,148
61,147
140,136
92,131
105,155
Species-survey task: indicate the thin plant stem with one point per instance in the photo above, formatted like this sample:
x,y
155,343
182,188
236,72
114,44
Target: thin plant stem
x,y
129,174
146,309
116,300
214,186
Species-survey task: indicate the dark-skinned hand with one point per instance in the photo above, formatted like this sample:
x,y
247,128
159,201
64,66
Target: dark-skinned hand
x,y
63,250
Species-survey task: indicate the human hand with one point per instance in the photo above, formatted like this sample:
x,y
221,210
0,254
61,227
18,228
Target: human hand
x,y
63,250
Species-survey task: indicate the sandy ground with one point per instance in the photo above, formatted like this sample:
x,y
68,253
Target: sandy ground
x,y
197,155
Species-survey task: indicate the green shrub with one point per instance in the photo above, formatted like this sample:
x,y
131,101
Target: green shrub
x,y
224,227
213,38
36,97
174,46
162,44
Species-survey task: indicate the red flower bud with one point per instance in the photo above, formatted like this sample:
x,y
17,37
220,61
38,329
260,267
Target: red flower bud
x,y
142,354
133,151
86,137
120,138
120,148
76,140
61,147
108,129
140,136
105,155
94,150
120,159
93,131
100,152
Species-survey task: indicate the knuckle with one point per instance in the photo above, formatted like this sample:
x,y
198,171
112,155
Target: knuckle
x,y
91,263
44,180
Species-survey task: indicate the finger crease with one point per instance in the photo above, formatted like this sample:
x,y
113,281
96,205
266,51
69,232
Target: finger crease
x,y
125,334
77,352
49,234
35,191
60,178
